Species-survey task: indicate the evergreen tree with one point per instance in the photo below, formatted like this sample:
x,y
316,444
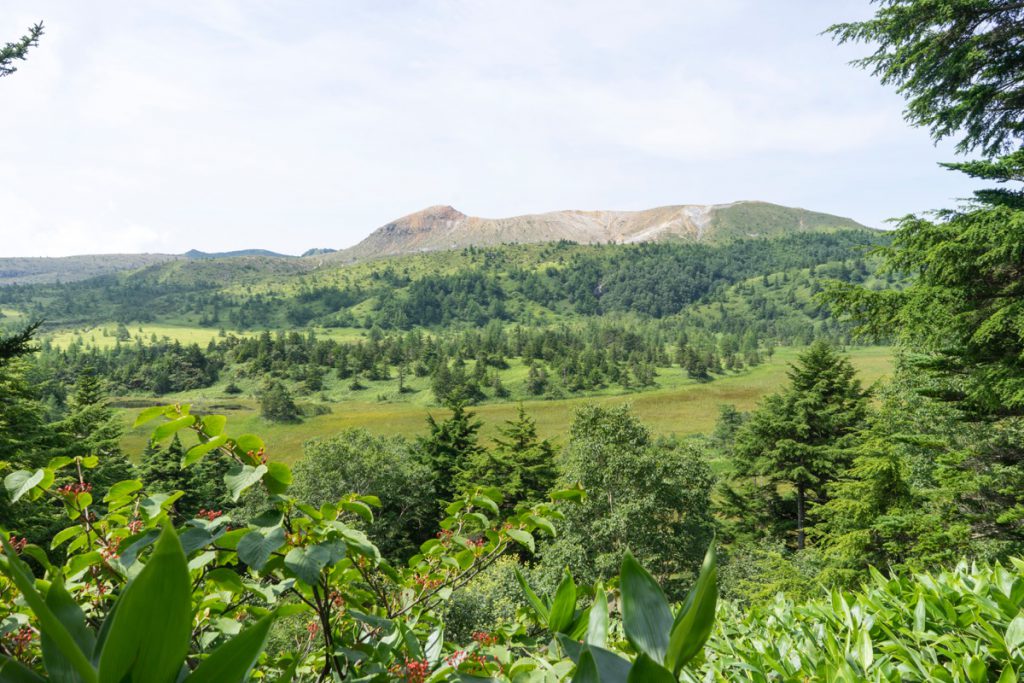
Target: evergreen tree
x,y
91,428
17,50
536,380
521,464
799,437
958,63
160,468
449,447
202,483
276,403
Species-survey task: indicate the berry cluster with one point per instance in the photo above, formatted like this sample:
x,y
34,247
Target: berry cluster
x,y
411,671
20,639
485,638
209,515
75,489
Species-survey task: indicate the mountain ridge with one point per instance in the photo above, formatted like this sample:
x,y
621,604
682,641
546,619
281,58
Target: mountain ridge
x,y
442,227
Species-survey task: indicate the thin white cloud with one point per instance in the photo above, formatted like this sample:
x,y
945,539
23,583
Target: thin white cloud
x,y
162,126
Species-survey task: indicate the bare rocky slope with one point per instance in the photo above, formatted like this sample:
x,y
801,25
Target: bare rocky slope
x,y
443,227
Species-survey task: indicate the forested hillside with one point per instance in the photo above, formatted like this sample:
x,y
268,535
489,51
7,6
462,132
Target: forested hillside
x,y
828,528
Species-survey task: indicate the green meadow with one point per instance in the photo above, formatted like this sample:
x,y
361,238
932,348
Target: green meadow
x,y
678,407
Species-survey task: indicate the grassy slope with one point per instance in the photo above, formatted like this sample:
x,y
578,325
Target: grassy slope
x,y
761,218
682,408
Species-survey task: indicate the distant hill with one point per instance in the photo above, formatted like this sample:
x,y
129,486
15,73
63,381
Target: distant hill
x,y
42,270
39,270
196,254
318,252
444,227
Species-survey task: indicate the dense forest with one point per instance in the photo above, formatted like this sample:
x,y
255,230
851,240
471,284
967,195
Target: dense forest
x,y
579,319
835,532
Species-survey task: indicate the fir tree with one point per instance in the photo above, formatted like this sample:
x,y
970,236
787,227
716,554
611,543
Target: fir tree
x,y
521,465
449,447
91,428
798,437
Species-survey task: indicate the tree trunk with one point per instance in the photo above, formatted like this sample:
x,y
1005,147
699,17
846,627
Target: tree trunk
x,y
799,517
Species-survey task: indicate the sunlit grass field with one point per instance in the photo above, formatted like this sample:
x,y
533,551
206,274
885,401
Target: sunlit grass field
x,y
680,406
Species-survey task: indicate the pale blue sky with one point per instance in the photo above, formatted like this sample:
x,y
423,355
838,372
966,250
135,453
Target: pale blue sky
x,y
226,124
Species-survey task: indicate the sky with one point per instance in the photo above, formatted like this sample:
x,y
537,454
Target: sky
x,y
152,126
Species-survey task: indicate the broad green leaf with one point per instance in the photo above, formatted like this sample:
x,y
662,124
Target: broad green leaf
x,y
194,538
79,563
140,543
523,538
542,524
232,661
358,543
48,621
563,607
158,503
1015,633
20,482
240,477
920,614
256,547
65,535
646,618
435,645
59,462
226,578
597,626
197,452
646,670
538,606
213,425
1008,675
249,443
696,618
486,503
148,415
569,494
307,563
168,428
586,669
13,671
357,508
268,519
122,489
613,668
71,615
977,671
278,477
138,645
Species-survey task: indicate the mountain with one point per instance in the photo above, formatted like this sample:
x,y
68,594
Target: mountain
x,y
37,270
31,270
196,254
443,227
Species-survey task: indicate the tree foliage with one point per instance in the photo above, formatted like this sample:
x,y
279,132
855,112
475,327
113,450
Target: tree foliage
x,y
799,437
646,496
16,51
957,62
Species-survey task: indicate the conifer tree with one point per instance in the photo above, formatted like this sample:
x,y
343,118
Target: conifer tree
x,y
799,437
450,446
521,464
92,428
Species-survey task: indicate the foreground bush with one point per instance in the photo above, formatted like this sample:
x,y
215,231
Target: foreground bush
x,y
136,598
964,625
